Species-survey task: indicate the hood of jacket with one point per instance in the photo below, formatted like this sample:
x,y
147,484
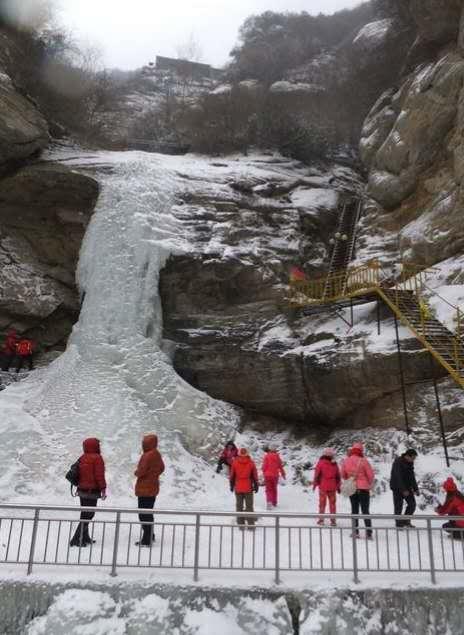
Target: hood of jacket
x,y
150,442
91,446
244,459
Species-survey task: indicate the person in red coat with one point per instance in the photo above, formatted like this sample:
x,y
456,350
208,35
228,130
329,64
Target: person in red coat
x,y
24,351
149,469
91,487
327,479
244,481
229,453
453,506
272,468
9,349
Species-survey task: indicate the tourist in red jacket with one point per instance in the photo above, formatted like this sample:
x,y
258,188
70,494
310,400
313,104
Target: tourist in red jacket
x,y
9,349
91,487
229,453
327,479
244,481
149,469
272,468
24,351
453,506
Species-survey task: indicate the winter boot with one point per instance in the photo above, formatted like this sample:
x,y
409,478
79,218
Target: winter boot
x,y
78,539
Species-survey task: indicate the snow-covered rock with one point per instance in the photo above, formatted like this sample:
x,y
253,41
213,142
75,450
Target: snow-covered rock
x,y
373,34
299,87
23,129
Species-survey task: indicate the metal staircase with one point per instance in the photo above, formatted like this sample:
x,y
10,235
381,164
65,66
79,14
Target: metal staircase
x,y
366,283
345,239
444,345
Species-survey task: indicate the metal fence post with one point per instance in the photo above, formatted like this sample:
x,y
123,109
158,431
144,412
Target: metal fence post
x,y
277,550
196,560
431,555
354,539
35,527
116,544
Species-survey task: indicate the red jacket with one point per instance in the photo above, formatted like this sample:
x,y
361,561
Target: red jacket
x,y
272,465
228,454
150,468
9,348
91,467
453,506
243,475
24,347
327,475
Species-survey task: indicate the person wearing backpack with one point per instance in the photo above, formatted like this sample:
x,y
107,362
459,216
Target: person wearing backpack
x,y
272,468
327,479
24,351
91,486
149,469
358,469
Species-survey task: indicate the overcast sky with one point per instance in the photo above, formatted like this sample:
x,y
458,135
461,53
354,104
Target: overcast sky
x,y
131,33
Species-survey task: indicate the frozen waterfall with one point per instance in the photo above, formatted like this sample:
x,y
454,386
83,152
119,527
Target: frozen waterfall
x,y
115,381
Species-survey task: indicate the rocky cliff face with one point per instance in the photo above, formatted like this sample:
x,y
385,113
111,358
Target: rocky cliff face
x,y
44,209
412,143
224,304
225,308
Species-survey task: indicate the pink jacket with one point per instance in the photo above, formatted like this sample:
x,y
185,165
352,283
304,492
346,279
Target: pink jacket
x,y
361,468
272,465
327,476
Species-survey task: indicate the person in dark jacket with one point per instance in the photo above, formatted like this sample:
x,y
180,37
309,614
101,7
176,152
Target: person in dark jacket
x,y
149,469
404,486
9,349
91,487
229,453
244,481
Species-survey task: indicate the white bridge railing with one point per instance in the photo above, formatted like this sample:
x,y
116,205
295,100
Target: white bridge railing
x,y
39,535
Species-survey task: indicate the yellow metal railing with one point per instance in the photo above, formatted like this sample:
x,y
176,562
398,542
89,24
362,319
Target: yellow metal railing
x,y
336,286
370,277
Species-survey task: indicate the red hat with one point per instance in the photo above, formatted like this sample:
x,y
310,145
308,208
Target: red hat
x,y
243,452
449,485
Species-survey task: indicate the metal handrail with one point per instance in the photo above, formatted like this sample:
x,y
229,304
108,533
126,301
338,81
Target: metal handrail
x,y
198,540
209,512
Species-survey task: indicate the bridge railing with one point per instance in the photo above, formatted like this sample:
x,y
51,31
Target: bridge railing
x,y
280,544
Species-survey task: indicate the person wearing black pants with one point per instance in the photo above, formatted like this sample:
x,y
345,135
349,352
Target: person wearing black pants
x,y
149,469
404,486
91,487
361,499
358,468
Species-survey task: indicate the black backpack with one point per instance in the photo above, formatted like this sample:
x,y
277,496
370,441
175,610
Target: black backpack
x,y
72,475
